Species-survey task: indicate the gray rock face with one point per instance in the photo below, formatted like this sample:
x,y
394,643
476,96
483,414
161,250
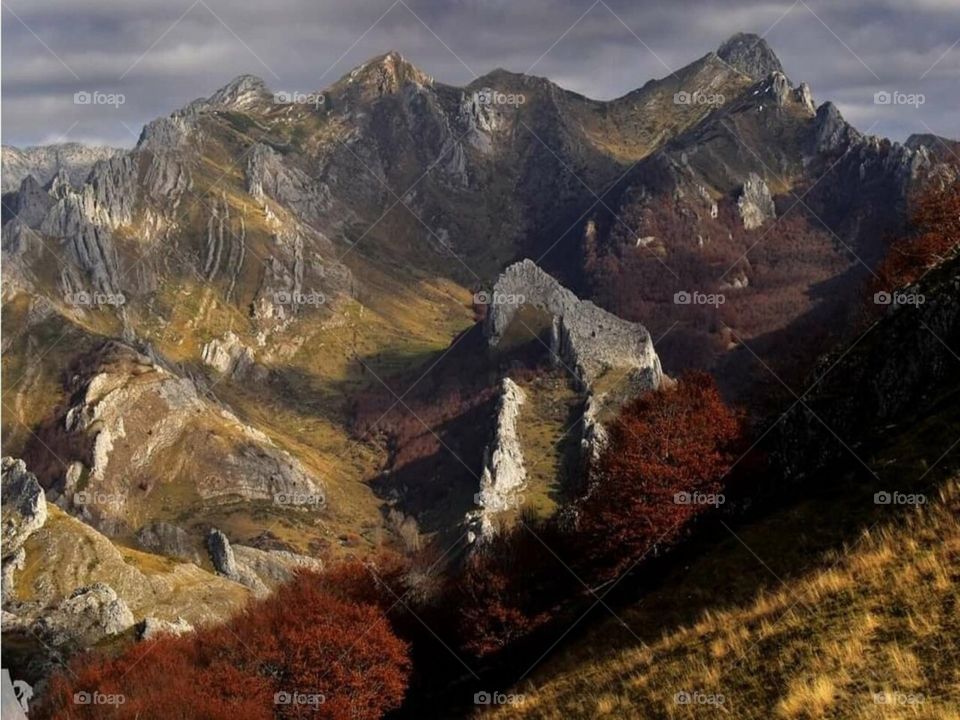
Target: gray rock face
x,y
228,356
31,203
24,507
240,93
504,474
751,55
43,162
81,218
273,567
268,176
167,133
166,539
804,96
755,203
221,554
587,338
831,131
594,439
86,617
779,88
151,627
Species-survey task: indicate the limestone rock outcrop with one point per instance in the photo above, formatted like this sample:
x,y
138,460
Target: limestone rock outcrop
x,y
151,627
269,177
24,512
274,567
90,614
24,504
228,356
755,203
751,55
169,540
128,413
585,337
81,586
221,554
43,162
504,474
254,568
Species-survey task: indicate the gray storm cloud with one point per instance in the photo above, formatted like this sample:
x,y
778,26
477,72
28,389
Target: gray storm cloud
x,y
160,55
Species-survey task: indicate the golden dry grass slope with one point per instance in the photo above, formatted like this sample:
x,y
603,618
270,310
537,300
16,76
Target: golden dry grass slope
x,y
873,632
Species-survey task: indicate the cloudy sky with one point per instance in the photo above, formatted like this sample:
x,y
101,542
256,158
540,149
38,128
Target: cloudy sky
x,y
160,54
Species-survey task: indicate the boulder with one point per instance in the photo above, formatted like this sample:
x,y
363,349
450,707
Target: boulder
x,y
221,554
151,627
90,614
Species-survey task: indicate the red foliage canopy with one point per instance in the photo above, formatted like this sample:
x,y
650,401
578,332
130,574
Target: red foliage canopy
x,y
667,454
303,652
934,234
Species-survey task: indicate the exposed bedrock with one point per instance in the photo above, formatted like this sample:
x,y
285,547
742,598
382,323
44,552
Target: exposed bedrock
x,y
504,473
587,338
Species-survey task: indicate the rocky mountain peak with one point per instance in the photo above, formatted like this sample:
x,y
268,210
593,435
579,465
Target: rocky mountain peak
x,y
751,55
832,132
386,74
241,92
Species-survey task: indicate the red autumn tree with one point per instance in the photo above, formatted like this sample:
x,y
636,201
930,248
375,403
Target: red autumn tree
x,y
193,676
302,652
933,234
668,452
315,644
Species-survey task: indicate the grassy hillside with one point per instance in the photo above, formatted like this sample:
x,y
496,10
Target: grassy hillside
x,y
833,607
871,634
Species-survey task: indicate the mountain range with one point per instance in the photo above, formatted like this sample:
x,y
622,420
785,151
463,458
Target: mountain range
x,y
287,328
